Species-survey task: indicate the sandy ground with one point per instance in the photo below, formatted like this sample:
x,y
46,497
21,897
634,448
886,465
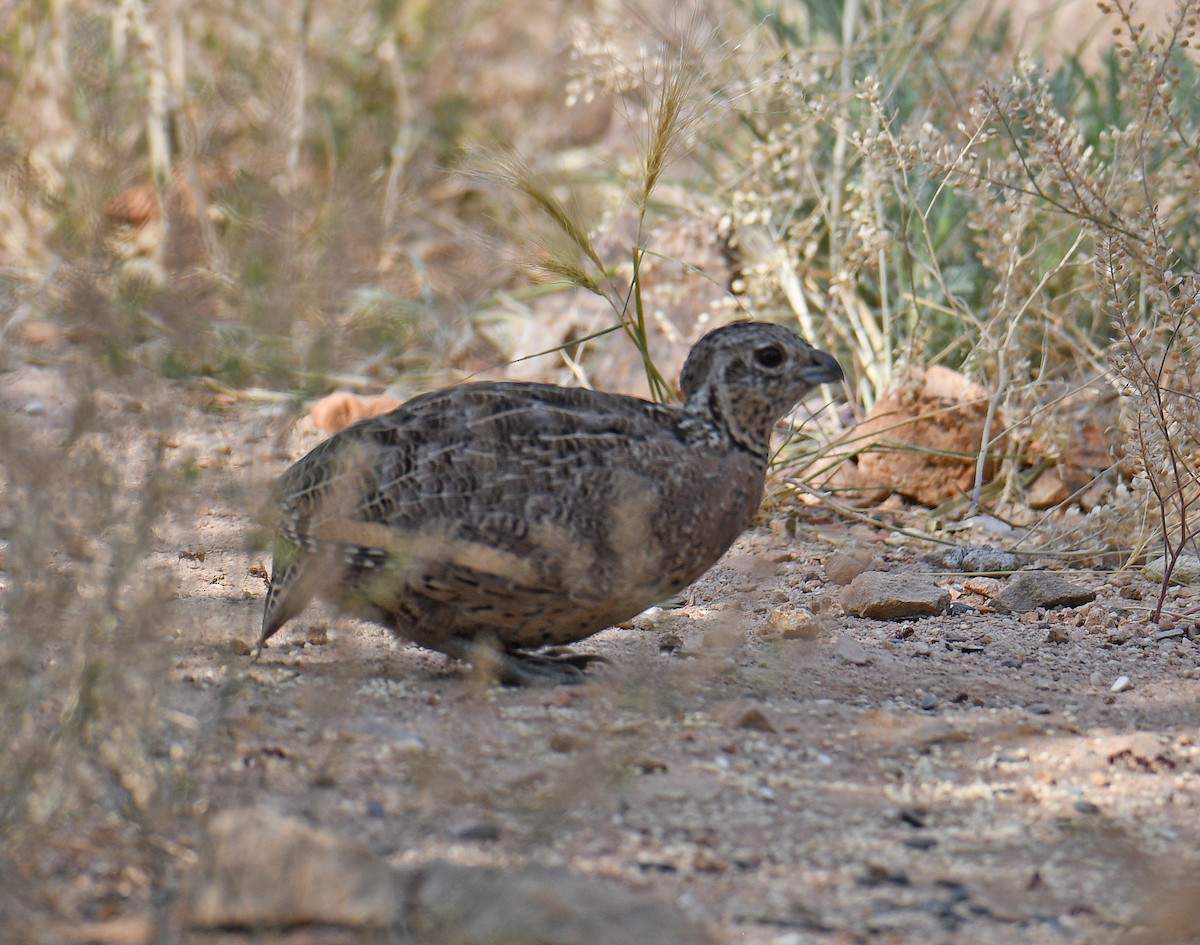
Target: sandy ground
x,y
957,778
970,778
964,778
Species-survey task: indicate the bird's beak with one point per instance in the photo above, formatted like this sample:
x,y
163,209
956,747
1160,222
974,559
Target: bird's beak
x,y
823,370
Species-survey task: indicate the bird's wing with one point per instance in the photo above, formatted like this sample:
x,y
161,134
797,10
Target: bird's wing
x,y
477,453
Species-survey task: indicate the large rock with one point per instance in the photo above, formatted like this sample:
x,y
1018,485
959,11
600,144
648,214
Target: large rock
x,y
921,439
883,596
260,870
1029,590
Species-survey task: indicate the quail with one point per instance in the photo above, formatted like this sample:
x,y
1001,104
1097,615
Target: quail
x,y
503,518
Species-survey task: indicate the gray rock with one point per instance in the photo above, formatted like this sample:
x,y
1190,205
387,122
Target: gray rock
x,y
893,597
980,559
261,870
851,651
1185,571
1029,590
481,831
460,905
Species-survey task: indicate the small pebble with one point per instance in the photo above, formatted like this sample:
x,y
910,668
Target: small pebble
x,y
563,743
1122,683
409,744
851,651
481,831
988,523
798,624
1038,708
1086,807
755,718
1185,571
324,779
929,701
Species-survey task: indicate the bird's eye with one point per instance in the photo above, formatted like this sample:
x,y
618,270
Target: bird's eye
x,y
770,356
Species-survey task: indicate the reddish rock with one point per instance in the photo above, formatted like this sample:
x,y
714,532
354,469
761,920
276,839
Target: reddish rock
x,y
1047,491
38,333
332,413
922,437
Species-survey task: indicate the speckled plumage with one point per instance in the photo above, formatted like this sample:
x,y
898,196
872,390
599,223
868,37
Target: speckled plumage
x,y
518,516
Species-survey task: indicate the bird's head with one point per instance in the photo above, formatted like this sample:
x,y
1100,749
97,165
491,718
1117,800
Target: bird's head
x,y
747,376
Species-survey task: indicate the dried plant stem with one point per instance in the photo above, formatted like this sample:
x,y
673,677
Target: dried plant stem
x,y
158,138
1159,383
850,15
401,146
299,89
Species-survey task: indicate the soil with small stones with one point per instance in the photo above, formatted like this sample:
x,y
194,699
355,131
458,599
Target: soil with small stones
x,y
963,778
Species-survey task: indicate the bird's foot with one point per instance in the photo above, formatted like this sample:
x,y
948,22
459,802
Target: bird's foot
x,y
581,661
556,668
515,668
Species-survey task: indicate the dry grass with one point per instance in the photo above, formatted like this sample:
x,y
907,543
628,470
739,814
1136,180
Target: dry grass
x,y
897,187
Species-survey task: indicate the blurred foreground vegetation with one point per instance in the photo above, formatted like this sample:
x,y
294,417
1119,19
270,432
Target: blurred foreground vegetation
x,y
301,196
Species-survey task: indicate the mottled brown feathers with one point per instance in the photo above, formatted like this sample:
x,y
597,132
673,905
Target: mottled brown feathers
x,y
522,515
